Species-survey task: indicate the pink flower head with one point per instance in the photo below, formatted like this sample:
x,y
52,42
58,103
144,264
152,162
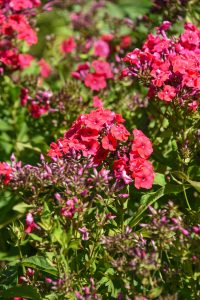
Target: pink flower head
x,y
68,45
141,145
125,41
97,102
5,172
143,174
109,142
95,81
167,94
107,37
25,60
101,48
45,68
102,68
37,110
120,132
164,26
81,72
30,224
18,5
193,105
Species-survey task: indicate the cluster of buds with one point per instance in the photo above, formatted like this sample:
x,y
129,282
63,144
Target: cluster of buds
x,y
88,292
39,105
40,280
131,250
166,221
170,9
167,232
169,67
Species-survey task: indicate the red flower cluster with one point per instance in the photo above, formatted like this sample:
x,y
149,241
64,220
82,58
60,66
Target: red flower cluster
x,y
94,80
169,67
101,135
5,172
14,24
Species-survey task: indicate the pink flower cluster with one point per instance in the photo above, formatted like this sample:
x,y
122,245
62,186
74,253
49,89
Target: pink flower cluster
x,y
94,75
101,135
5,172
15,25
169,66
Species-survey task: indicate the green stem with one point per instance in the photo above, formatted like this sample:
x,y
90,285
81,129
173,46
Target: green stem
x,y
186,198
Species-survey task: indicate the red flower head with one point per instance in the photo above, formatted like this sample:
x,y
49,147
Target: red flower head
x,y
109,142
125,41
97,102
25,60
45,68
5,172
102,68
95,81
68,46
143,174
141,145
120,132
167,94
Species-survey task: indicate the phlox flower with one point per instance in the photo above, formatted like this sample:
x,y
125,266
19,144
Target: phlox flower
x,y
67,46
101,48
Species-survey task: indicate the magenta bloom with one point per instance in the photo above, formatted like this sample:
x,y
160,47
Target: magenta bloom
x,y
68,46
95,81
101,48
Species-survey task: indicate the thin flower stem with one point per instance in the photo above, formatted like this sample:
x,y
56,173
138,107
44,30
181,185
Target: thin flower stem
x,y
186,198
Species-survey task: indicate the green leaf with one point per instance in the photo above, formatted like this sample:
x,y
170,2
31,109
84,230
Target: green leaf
x,y
180,175
46,218
7,257
35,237
22,291
41,263
159,179
195,184
154,293
21,207
59,235
53,297
75,245
5,126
